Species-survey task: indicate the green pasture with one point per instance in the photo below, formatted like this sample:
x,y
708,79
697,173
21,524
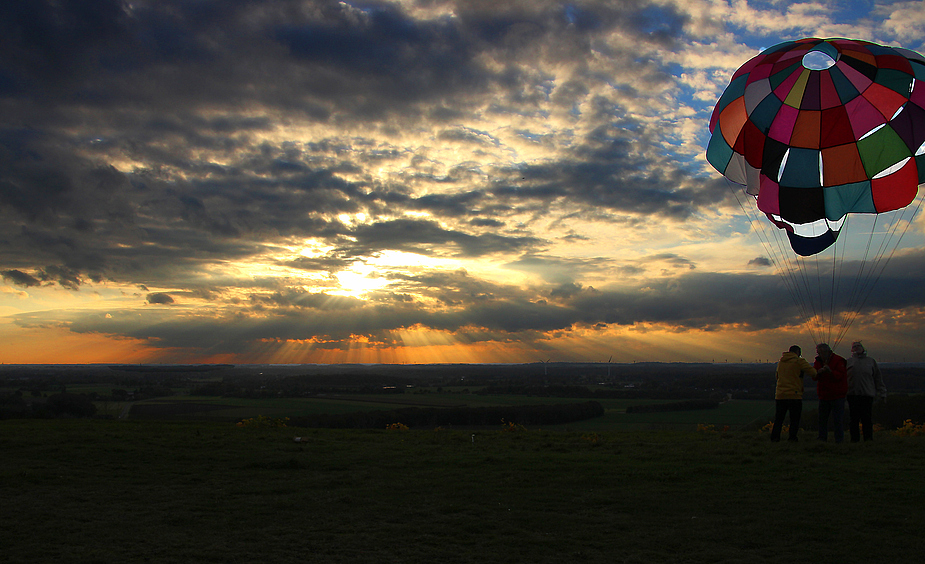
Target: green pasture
x,y
736,414
107,491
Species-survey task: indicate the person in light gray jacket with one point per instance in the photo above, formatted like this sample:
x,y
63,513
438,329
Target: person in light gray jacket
x,y
864,384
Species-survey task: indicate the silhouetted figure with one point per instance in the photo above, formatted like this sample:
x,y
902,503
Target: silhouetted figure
x,y
831,386
864,384
789,393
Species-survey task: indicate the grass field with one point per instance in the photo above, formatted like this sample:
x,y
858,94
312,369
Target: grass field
x,y
737,413
96,491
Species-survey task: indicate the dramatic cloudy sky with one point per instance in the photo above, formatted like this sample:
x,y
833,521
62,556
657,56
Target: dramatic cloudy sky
x,y
412,181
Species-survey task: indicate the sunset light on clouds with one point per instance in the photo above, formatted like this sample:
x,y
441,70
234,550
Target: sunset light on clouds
x,y
398,182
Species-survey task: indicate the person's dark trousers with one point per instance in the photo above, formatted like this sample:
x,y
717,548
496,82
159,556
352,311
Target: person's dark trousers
x,y
861,410
835,408
782,406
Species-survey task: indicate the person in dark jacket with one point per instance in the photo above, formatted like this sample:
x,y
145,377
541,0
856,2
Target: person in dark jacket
x,y
831,387
789,393
864,384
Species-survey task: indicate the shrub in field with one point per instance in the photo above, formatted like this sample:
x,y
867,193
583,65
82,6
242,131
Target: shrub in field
x,y
396,427
767,428
511,427
262,421
910,429
593,438
710,429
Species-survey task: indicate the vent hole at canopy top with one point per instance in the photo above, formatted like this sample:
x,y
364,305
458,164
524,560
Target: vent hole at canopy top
x,y
818,61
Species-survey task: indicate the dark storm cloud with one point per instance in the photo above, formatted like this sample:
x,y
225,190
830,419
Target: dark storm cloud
x,y
559,270
426,237
299,298
365,59
673,260
693,301
160,298
99,225
486,222
137,78
20,278
323,59
612,174
45,181
64,276
453,205
64,210
455,289
892,282
407,59
330,263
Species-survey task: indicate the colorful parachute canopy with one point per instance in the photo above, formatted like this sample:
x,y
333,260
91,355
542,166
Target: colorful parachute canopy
x,y
819,128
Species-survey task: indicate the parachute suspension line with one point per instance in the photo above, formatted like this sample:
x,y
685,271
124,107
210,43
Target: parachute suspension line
x,y
805,293
798,277
884,259
811,280
862,286
862,277
833,289
792,271
753,219
882,262
838,260
819,297
823,319
776,245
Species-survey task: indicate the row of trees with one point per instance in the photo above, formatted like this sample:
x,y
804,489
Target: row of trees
x,y
38,404
14,406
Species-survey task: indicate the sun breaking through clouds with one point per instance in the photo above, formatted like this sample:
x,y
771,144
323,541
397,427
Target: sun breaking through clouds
x,y
405,181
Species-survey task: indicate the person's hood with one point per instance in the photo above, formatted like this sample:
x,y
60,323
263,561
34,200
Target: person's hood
x,y
861,354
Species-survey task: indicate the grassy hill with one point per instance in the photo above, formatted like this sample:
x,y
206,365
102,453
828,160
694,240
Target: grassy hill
x,y
160,491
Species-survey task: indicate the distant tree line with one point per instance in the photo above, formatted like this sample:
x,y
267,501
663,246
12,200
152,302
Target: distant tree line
x,y
527,415
39,404
52,379
14,406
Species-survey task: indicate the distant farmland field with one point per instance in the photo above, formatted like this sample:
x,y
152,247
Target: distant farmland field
x,y
735,413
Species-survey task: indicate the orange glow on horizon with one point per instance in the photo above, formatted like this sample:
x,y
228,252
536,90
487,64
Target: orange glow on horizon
x,y
419,345
56,345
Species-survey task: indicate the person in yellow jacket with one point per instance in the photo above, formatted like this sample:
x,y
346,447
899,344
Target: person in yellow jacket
x,y
789,393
